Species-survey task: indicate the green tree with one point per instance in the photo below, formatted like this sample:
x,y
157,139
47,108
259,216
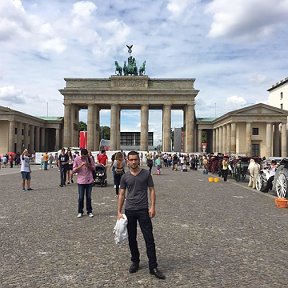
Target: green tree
x,y
105,132
82,126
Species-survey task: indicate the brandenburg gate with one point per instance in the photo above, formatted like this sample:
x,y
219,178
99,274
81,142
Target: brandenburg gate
x,y
128,92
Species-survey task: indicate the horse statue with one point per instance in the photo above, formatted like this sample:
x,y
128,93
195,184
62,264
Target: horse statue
x,y
125,69
118,69
142,68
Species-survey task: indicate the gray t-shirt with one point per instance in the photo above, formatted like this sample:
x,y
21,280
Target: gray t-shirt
x,y
136,186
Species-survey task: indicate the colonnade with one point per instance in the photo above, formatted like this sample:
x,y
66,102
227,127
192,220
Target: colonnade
x,y
28,136
93,126
227,138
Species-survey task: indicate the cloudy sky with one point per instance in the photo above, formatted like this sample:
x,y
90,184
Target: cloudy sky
x,y
234,49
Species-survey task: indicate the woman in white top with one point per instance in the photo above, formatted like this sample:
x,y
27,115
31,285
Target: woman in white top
x,y
25,170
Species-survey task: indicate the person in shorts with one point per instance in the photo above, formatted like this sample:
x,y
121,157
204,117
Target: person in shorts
x,y
25,170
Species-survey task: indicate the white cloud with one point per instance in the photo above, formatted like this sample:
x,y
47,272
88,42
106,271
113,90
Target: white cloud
x,y
235,102
179,7
10,94
245,18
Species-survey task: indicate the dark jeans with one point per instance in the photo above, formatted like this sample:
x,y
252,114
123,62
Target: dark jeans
x,y
225,174
63,172
45,165
147,230
117,179
82,190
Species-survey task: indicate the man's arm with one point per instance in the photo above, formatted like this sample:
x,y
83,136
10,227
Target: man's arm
x,y
152,210
121,197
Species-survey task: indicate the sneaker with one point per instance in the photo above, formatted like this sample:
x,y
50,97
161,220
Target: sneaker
x,y
90,215
68,182
29,189
61,185
72,181
79,215
23,189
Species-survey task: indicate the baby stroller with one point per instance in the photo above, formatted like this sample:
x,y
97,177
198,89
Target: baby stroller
x,y
100,176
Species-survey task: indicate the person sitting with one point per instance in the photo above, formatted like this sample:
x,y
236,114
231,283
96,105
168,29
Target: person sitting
x,y
272,171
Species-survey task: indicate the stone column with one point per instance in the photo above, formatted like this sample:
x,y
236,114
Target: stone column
x,y
221,139
19,147
284,140
166,124
276,138
217,140
57,139
233,138
228,138
224,140
91,127
189,137
248,139
268,140
199,148
72,121
118,125
67,126
11,145
32,139
113,127
214,140
26,135
42,135
144,127
97,128
37,139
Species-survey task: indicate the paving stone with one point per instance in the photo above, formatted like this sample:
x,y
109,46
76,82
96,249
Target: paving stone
x,y
207,235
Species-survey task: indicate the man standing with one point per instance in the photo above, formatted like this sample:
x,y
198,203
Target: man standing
x,y
137,181
25,170
63,166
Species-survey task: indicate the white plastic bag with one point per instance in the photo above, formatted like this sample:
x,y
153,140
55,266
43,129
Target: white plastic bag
x,y
120,230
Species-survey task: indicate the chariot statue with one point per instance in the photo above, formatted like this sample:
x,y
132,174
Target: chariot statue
x,y
130,68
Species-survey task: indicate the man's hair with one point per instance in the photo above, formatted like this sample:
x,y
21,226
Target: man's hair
x,y
103,151
133,153
84,152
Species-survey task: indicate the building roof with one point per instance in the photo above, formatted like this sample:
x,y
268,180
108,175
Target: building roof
x,y
278,84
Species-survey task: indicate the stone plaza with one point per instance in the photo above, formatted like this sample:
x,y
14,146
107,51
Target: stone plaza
x,y
207,235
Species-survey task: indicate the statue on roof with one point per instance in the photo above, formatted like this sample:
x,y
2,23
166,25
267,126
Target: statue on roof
x,y
129,68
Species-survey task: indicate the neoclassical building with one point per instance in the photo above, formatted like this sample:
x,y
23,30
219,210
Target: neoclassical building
x,y
257,130
128,92
19,130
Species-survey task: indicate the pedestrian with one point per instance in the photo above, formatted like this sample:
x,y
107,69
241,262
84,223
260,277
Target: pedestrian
x,y
119,169
45,160
149,161
84,165
70,167
63,160
25,170
158,164
224,168
137,181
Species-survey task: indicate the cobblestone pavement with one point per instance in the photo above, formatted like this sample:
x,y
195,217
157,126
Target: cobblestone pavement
x,y
207,235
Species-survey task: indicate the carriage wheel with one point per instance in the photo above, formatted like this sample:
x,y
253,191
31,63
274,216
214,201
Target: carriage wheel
x,y
281,185
259,182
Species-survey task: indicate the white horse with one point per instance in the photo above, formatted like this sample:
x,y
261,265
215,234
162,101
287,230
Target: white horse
x,y
254,170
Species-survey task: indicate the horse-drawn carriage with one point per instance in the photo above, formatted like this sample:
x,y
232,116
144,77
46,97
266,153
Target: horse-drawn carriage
x,y
239,167
280,182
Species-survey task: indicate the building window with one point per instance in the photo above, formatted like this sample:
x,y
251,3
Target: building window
x,y
281,95
255,150
255,131
281,106
15,131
